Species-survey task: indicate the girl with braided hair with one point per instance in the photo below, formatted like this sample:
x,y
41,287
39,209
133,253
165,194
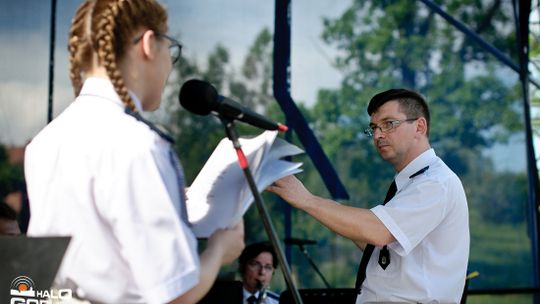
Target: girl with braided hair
x,y
108,178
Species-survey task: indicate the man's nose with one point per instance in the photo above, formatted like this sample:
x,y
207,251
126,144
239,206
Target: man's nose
x,y
377,132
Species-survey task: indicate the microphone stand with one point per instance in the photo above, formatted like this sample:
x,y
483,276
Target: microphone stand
x,y
310,260
232,134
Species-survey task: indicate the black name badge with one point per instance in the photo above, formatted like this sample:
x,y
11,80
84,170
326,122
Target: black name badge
x,y
384,258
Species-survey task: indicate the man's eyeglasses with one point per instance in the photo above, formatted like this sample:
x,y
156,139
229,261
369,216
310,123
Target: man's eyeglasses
x,y
175,48
258,266
386,126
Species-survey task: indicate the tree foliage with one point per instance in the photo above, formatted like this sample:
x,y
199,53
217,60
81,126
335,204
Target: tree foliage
x,y
474,101
196,137
384,44
11,176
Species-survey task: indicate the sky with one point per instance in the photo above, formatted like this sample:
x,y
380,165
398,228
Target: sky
x,y
201,25
237,28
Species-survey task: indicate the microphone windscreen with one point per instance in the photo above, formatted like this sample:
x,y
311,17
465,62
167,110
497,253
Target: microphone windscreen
x,y
198,96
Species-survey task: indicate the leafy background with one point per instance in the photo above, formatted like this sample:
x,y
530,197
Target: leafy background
x,y
477,117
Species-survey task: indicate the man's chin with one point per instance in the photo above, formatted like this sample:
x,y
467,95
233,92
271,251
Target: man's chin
x,y
385,153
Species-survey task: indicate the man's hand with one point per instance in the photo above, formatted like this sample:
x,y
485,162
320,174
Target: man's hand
x,y
291,190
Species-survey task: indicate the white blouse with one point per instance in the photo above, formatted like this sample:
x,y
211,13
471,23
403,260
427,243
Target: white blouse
x,y
104,178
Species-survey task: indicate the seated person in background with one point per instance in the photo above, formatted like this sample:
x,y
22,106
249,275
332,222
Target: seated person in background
x,y
8,220
256,266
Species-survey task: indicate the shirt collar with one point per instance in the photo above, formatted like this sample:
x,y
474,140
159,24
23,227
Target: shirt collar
x,y
247,294
416,164
102,87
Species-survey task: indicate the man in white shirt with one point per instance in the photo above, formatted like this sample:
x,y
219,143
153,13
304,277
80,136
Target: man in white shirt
x,y
420,236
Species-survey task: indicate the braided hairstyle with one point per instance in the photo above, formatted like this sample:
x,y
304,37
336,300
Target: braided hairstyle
x,y
101,31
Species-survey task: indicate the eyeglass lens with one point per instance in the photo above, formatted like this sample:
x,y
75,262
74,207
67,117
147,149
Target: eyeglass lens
x,y
260,266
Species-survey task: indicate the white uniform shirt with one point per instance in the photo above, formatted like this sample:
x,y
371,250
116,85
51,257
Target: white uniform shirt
x,y
429,218
271,297
99,175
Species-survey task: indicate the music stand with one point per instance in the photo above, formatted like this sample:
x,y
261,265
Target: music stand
x,y
321,296
37,258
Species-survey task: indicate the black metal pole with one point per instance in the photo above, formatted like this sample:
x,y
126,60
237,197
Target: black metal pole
x,y
287,209
52,38
295,118
521,15
263,213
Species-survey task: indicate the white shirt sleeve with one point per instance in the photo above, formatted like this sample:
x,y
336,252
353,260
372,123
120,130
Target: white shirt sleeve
x,y
413,213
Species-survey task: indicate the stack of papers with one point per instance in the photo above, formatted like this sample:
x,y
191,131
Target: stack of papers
x,y
220,194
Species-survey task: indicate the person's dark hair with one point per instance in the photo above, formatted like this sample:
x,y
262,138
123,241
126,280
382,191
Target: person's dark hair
x,y
6,212
252,251
410,102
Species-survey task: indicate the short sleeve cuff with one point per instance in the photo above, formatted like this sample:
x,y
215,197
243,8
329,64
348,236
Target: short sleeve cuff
x,y
403,245
174,288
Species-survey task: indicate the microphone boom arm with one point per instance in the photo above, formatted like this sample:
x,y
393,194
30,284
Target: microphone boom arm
x,y
310,260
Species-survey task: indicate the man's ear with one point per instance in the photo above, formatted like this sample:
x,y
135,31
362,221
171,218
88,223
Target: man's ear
x,y
421,125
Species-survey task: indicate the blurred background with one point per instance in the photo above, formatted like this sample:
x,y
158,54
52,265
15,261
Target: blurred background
x,y
338,55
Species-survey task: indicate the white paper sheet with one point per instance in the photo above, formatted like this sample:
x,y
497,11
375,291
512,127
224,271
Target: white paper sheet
x,y
220,194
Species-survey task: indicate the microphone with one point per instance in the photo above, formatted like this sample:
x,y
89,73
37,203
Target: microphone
x,y
299,242
201,98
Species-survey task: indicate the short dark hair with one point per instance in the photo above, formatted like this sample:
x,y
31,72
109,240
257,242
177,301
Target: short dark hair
x,y
410,102
252,251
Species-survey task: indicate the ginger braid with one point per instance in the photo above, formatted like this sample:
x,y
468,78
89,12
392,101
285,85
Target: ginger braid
x,y
79,45
104,29
106,40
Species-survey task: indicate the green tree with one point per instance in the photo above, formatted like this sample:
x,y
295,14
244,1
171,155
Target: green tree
x,y
386,44
251,86
403,44
196,137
